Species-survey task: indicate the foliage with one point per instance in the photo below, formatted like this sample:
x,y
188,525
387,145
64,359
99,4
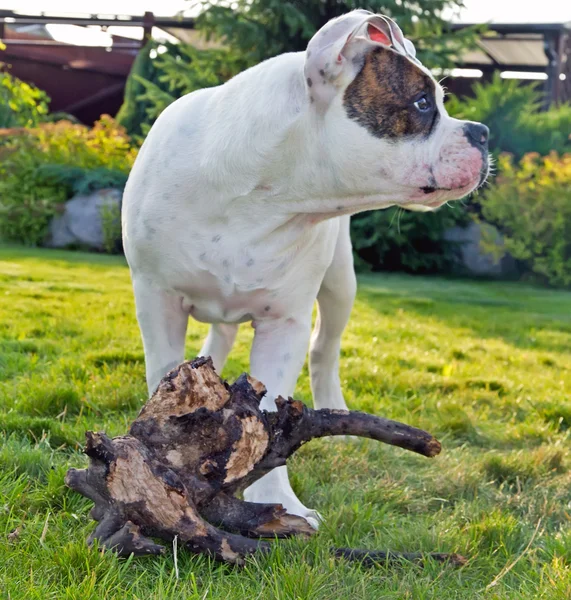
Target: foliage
x,y
133,112
81,180
182,68
42,167
175,70
530,204
259,29
484,366
21,104
252,31
111,225
512,111
396,239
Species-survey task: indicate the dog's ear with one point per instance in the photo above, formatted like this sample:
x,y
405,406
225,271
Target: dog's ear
x,y
335,53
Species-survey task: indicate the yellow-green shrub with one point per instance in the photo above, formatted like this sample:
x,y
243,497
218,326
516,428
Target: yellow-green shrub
x,y
29,193
21,104
530,202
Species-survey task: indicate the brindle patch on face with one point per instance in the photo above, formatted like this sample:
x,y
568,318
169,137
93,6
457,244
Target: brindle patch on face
x,y
381,97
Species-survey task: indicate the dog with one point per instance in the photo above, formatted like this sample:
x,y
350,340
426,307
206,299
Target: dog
x,y
237,208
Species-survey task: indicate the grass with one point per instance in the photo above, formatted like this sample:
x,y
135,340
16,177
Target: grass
x,y
485,366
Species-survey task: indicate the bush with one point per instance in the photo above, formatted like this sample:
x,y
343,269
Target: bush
x,y
530,204
80,180
512,111
259,29
21,104
176,70
32,188
252,31
395,239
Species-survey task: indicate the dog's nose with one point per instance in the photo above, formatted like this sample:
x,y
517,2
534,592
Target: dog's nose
x,y
477,135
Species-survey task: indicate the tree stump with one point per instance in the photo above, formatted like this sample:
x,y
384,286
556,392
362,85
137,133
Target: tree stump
x,y
195,444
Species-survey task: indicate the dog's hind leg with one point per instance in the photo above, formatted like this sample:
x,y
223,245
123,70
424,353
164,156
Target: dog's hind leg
x,y
218,343
163,323
335,301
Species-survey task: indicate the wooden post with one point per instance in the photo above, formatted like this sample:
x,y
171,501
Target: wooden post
x,y
148,24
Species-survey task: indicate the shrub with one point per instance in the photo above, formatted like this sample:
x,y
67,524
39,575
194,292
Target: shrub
x,y
79,180
530,203
178,69
253,30
133,112
395,239
32,188
512,111
111,224
259,29
21,104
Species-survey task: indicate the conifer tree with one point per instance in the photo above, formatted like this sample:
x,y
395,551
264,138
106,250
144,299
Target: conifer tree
x,y
253,30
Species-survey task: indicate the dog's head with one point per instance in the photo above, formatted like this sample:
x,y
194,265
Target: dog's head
x,y
383,116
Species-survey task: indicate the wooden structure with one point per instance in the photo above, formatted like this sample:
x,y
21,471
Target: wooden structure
x,y
85,81
525,48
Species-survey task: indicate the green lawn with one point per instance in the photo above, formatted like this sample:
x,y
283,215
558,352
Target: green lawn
x,y
484,366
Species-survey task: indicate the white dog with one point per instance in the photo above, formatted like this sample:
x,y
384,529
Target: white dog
x,y
237,209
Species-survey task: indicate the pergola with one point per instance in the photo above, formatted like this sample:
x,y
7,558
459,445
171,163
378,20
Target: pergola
x,y
87,81
81,79
526,48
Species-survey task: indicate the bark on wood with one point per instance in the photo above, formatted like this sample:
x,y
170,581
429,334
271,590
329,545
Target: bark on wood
x,y
195,444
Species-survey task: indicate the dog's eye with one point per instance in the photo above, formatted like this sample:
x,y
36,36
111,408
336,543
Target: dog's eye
x,y
423,104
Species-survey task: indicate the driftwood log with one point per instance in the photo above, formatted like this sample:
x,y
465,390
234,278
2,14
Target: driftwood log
x,y
195,444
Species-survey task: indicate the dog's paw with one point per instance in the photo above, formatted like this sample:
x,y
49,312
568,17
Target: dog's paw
x,y
264,494
313,518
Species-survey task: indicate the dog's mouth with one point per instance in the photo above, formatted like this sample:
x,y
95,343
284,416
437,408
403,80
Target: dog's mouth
x,y
428,189
430,197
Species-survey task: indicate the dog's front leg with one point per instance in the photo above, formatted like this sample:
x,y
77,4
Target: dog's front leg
x,y
163,323
277,357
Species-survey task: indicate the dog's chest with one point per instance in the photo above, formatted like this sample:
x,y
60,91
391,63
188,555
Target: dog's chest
x,y
225,280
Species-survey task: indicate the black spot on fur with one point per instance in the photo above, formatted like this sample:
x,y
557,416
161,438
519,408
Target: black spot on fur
x,y
309,82
381,97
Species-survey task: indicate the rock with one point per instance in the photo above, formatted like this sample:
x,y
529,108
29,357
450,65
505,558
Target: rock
x,y
482,250
81,222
